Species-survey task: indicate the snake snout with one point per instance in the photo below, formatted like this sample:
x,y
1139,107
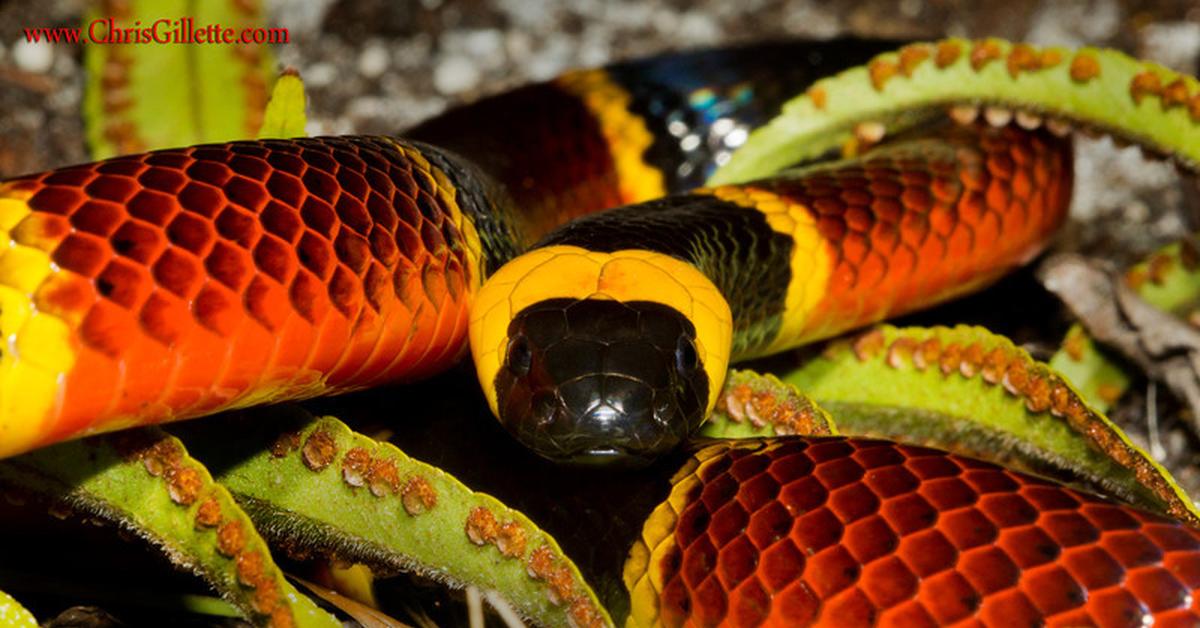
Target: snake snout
x,y
595,381
601,418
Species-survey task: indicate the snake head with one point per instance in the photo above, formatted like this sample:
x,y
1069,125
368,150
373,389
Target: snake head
x,y
600,358
601,381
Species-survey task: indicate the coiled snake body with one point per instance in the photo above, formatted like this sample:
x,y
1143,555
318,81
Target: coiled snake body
x,y
182,282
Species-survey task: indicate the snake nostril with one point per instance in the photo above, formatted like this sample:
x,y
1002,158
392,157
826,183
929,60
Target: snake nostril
x,y
520,358
545,410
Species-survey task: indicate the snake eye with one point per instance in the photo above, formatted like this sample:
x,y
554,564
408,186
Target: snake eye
x,y
685,355
519,356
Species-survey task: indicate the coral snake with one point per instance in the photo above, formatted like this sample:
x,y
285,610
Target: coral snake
x,y
182,282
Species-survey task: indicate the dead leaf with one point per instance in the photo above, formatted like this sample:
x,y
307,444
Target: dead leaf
x,y
1165,346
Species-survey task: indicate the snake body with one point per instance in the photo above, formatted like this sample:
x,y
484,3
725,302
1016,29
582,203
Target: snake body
x,y
857,532
175,284
800,257
182,282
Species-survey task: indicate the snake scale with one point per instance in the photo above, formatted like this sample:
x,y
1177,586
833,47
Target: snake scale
x,y
183,282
